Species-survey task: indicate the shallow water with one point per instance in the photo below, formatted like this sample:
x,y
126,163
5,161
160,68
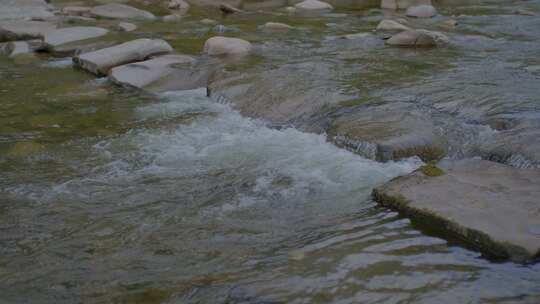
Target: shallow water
x,y
222,209
112,196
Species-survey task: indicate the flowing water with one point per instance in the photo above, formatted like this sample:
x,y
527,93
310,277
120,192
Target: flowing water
x,y
112,196
198,204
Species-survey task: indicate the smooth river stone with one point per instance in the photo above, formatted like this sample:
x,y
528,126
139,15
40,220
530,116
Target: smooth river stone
x,y
22,30
101,61
219,45
491,207
141,74
120,11
72,34
20,9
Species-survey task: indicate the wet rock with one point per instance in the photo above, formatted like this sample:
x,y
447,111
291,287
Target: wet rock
x,y
525,13
160,74
24,30
421,11
313,6
402,4
76,10
276,26
172,18
101,61
120,11
219,45
286,95
67,35
389,132
420,38
126,27
487,206
20,9
15,48
391,25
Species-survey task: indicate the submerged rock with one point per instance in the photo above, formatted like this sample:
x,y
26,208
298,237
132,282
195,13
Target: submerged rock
x,y
418,38
120,11
178,5
101,61
219,45
23,30
391,25
421,11
487,206
402,4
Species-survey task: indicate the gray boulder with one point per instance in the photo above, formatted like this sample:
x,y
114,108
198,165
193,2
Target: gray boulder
x,y
23,30
120,11
101,61
162,73
72,34
487,206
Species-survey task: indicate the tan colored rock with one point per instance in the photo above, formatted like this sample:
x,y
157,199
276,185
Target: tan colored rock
x,y
487,206
219,45
101,61
172,18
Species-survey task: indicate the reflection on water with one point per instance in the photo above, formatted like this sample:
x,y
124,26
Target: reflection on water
x,y
222,209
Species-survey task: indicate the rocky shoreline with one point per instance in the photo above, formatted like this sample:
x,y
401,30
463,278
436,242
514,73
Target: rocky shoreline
x,y
321,88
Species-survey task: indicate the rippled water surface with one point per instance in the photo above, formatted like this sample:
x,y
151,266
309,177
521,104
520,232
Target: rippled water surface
x,y
113,196
202,205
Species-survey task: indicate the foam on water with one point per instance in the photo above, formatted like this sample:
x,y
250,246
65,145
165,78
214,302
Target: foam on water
x,y
283,163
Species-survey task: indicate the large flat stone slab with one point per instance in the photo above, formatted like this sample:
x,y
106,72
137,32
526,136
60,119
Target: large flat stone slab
x,y
120,11
101,61
159,74
19,9
487,206
72,34
13,30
